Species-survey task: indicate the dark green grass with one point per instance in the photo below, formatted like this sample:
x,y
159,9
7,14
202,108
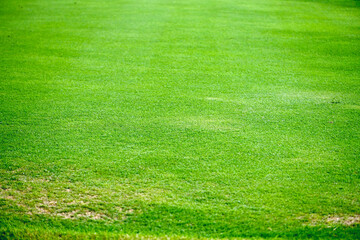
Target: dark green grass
x,y
191,118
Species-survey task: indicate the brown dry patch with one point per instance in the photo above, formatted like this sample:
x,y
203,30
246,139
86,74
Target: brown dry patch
x,y
126,211
77,203
51,207
40,210
348,220
68,215
92,196
65,202
21,205
12,194
9,190
75,214
9,197
92,215
21,169
50,203
345,220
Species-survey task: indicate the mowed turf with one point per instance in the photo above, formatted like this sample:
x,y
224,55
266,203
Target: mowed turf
x,y
181,118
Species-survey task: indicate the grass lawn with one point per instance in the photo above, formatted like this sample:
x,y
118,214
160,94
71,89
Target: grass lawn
x,y
148,119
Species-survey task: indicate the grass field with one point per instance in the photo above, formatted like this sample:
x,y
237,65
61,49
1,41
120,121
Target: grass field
x,y
180,119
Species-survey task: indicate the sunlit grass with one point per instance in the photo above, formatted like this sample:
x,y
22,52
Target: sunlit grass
x,y
189,119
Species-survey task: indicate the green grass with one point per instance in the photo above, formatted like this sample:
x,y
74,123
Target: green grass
x,y
148,119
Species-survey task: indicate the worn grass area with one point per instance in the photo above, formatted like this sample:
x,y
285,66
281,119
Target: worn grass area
x,y
185,119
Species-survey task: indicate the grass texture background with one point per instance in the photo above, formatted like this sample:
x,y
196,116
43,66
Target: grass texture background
x,y
180,118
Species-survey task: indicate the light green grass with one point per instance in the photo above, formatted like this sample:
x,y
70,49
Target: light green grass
x,y
180,118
